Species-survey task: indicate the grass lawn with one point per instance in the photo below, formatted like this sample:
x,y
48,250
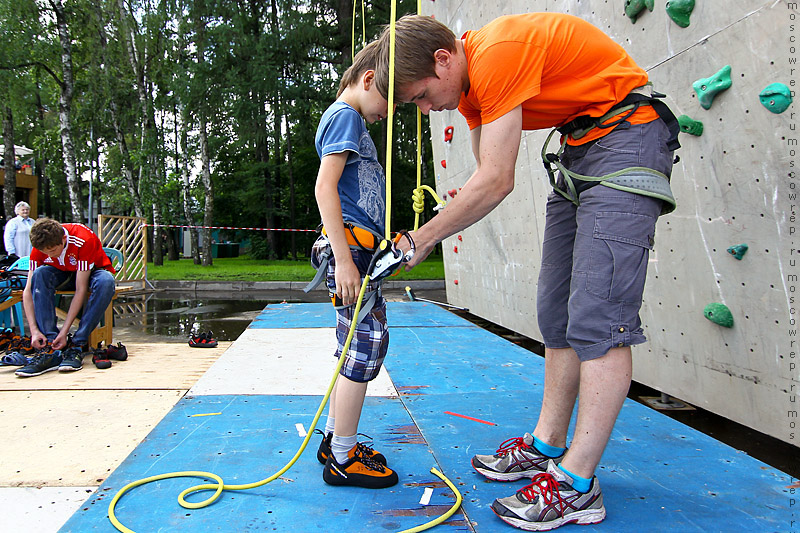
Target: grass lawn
x,y
244,268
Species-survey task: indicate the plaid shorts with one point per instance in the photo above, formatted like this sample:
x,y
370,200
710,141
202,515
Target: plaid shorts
x,y
371,339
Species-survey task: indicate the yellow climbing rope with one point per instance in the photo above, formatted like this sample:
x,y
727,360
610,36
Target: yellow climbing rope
x,y
219,486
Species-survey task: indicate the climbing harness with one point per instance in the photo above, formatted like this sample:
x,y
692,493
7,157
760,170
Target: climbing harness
x,y
387,259
638,180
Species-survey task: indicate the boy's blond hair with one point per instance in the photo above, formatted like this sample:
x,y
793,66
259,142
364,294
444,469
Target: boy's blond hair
x,y
46,233
417,37
366,59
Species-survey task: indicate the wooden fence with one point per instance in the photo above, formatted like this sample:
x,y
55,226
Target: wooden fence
x,y
128,235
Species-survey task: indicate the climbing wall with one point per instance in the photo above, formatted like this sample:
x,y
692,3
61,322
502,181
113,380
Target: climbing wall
x,y
734,185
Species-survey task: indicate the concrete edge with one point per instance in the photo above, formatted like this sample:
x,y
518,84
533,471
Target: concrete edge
x,y
250,286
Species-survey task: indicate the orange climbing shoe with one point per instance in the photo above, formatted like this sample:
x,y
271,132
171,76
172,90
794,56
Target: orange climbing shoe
x,y
364,449
358,471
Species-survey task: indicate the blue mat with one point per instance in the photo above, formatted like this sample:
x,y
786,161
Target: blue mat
x,y
656,474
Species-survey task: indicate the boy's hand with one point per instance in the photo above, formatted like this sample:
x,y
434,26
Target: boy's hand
x,y
348,281
60,342
38,340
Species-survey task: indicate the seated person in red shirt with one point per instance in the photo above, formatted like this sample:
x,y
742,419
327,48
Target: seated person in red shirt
x,y
65,257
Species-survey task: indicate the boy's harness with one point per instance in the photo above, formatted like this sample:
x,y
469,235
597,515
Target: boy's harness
x,y
386,259
638,180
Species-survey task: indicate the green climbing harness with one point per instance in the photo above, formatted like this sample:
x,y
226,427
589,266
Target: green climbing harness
x,y
638,180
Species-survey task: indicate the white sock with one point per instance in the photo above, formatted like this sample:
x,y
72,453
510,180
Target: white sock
x,y
340,446
329,425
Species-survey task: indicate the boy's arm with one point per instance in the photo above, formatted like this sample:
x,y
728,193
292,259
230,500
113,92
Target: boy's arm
x,y
37,338
496,146
81,290
348,279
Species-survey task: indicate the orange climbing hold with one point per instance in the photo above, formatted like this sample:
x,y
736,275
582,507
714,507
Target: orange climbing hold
x,y
448,134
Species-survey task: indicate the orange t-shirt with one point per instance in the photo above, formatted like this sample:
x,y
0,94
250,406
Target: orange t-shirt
x,y
557,66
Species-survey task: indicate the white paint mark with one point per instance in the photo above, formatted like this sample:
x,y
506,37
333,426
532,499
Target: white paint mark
x,y
301,431
426,496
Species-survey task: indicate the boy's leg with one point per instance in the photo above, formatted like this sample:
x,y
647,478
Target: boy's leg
x,y
349,402
44,281
101,287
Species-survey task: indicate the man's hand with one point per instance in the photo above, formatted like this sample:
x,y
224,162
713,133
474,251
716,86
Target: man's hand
x,y
348,281
38,340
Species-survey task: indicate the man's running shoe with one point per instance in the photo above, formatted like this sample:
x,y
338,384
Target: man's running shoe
x,y
550,502
325,450
358,471
45,360
516,458
72,359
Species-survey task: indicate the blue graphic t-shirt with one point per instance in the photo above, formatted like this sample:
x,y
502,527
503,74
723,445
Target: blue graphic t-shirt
x,y
362,187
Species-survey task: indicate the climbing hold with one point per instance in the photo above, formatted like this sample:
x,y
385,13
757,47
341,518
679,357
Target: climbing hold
x,y
690,126
444,163
634,7
708,88
455,249
452,193
738,251
448,134
455,281
679,11
776,97
459,238
719,314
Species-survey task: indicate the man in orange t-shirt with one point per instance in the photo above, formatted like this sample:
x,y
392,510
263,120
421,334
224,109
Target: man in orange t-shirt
x,y
551,70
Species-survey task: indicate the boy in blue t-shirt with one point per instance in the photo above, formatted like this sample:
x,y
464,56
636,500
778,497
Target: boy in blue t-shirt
x,y
350,192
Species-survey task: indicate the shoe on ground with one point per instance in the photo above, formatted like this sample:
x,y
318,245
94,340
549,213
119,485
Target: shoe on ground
x,y
118,352
45,360
100,359
324,450
515,459
203,340
550,502
72,359
358,471
14,359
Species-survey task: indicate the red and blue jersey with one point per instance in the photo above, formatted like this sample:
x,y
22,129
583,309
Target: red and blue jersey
x,y
83,251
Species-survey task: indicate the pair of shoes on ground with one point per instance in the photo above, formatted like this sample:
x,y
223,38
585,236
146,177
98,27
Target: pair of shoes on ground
x,y
549,501
203,340
102,357
364,467
17,343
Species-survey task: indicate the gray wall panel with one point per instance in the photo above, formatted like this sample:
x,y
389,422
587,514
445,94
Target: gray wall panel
x,y
732,186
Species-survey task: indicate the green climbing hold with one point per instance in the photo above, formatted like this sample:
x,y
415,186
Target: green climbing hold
x,y
738,251
679,11
776,97
634,7
708,88
690,126
719,314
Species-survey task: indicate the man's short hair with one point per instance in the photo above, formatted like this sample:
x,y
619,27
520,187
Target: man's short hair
x,y
417,37
366,59
46,233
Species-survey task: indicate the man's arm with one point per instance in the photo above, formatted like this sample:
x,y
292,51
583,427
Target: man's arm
x,y
496,146
81,291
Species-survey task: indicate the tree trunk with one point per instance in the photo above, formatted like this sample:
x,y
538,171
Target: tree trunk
x,y
44,180
187,187
65,111
9,157
292,218
205,172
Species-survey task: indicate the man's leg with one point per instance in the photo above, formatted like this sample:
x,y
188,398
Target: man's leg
x,y
561,379
44,281
604,384
101,288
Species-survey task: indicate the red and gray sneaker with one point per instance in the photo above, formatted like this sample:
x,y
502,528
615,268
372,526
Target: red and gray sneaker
x,y
550,502
203,340
118,352
100,358
516,458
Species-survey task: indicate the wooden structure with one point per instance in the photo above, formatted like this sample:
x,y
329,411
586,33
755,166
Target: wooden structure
x,y
27,189
128,235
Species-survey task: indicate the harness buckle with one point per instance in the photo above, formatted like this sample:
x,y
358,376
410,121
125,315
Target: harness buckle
x,y
388,257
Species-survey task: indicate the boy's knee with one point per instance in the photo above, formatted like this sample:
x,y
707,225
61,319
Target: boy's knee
x,y
103,284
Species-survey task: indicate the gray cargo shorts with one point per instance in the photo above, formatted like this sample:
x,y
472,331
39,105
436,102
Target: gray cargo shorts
x,y
594,256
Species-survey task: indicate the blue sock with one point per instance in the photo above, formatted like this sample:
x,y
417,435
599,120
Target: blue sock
x,y
546,449
581,484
